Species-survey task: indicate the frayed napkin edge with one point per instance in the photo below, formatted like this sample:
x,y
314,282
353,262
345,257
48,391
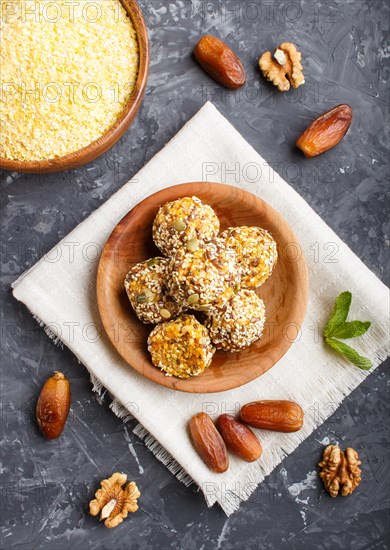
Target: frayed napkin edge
x,y
232,498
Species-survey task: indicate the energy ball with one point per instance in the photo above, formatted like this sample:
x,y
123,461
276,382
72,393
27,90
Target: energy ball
x,y
205,277
256,253
184,223
181,347
145,285
238,323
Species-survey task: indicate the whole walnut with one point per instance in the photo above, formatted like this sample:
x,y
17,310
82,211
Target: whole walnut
x,y
340,470
115,499
283,68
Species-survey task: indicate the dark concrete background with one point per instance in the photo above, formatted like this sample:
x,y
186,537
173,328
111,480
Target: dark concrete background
x,y
46,485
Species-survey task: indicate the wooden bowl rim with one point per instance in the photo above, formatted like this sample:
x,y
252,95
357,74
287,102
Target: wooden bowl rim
x,y
155,375
106,141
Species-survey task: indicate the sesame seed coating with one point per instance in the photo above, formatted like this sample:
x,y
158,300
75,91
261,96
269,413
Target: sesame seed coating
x,y
239,323
181,347
256,253
183,221
146,289
204,278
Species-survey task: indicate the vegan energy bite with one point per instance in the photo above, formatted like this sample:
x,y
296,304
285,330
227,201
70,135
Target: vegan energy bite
x,y
185,222
214,275
256,253
145,285
181,347
205,277
239,323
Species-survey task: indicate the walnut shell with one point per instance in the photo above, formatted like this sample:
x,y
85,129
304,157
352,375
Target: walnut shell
x,y
284,68
340,470
114,501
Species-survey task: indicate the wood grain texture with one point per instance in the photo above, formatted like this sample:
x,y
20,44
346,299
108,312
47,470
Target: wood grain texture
x,y
105,142
285,293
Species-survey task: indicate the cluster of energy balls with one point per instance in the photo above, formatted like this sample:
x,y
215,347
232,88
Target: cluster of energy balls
x,y
204,271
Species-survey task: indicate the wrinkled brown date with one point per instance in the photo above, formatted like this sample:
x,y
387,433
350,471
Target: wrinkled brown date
x,y
208,442
326,131
239,439
53,405
278,416
220,62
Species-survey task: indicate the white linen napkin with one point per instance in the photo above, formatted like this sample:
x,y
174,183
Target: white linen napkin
x,y
60,291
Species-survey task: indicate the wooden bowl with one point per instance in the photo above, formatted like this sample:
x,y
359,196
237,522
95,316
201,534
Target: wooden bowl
x,y
285,293
105,142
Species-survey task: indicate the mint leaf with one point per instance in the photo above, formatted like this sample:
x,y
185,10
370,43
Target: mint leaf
x,y
350,354
352,329
340,313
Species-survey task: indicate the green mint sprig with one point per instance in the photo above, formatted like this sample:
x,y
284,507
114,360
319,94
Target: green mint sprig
x,y
339,327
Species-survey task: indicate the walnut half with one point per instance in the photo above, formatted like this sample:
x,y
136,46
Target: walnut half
x,y
340,470
284,68
114,501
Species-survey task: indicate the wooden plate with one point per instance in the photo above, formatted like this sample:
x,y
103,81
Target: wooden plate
x,y
285,293
107,140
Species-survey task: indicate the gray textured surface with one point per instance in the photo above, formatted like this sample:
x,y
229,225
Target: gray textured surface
x,y
46,485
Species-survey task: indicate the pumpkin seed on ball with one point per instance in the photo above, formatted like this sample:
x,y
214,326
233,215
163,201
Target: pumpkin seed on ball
x,y
204,307
193,299
179,225
165,314
193,245
150,296
141,298
152,262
